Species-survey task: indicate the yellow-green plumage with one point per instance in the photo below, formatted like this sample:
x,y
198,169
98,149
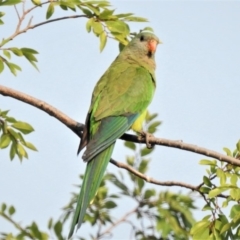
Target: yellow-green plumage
x,y
119,102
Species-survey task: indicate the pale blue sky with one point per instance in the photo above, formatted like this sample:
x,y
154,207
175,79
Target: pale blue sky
x,y
197,98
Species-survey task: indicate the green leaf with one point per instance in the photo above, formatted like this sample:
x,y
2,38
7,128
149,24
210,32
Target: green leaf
x,y
13,133
110,204
36,2
98,2
234,179
1,65
86,11
155,124
234,211
130,145
50,223
130,160
145,151
1,22
199,226
13,150
106,14
205,189
120,37
227,151
221,174
28,50
118,27
13,68
94,9
16,51
31,58
35,231
233,194
225,228
50,10
216,191
63,7
238,145
7,54
3,207
149,193
103,40
11,119
135,19
58,228
140,183
208,162
207,207
21,151
150,117
9,2
5,141
89,24
97,28
143,166
23,127
11,210
30,146
123,15
2,14
207,181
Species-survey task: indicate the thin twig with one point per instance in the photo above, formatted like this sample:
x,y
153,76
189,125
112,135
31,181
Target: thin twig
x,y
17,12
152,180
54,20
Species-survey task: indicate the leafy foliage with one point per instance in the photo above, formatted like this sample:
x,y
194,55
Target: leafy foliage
x,y
101,20
11,135
30,231
221,178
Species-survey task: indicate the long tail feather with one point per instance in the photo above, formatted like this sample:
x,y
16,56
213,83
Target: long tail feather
x,y
91,182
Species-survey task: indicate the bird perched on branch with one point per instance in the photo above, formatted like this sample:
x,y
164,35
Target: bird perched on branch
x,y
119,103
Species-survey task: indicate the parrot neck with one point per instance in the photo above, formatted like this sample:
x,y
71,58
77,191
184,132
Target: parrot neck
x,y
145,60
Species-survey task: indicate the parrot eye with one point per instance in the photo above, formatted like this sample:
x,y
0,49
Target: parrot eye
x,y
142,38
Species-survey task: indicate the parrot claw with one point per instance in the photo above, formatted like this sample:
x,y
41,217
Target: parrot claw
x,y
145,136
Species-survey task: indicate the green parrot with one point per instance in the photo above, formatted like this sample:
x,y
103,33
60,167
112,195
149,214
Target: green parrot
x,y
119,103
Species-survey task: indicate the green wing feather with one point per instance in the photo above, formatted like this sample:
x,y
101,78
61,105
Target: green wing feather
x,y
110,129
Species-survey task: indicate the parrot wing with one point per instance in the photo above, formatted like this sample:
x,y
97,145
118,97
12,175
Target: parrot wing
x,y
110,129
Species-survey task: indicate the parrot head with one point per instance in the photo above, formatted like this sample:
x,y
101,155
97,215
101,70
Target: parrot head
x,y
144,43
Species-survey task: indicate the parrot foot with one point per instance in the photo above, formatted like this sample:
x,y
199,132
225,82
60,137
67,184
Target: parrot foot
x,y
146,136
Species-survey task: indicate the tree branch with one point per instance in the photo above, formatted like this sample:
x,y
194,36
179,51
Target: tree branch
x,y
161,183
78,127
52,111
152,180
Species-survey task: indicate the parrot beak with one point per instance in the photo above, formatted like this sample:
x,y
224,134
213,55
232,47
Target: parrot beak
x,y
152,45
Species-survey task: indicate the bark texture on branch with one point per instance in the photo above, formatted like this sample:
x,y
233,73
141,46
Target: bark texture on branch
x,y
78,127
